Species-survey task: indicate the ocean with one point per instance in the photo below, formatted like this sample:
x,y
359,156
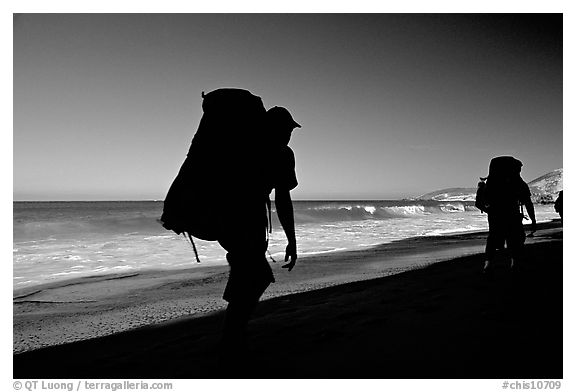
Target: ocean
x,y
54,241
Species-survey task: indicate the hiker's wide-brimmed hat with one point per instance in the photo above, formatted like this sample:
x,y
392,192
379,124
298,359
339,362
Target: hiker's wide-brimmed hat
x,y
280,115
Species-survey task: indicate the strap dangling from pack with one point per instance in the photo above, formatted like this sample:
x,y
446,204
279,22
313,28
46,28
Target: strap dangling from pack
x,y
269,207
269,226
194,247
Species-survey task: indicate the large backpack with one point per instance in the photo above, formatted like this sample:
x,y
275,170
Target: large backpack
x,y
501,191
481,203
225,155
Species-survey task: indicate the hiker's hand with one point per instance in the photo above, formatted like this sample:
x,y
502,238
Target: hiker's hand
x,y
290,255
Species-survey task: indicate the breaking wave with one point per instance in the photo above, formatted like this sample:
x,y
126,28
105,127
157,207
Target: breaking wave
x,y
310,212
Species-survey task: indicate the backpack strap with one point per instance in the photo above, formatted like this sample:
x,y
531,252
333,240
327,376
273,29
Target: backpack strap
x,y
269,226
194,247
269,208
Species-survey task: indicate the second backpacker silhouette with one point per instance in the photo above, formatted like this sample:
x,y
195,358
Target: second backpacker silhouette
x,y
502,195
501,191
225,162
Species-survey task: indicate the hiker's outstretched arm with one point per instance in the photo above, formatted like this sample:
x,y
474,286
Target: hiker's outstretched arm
x,y
286,215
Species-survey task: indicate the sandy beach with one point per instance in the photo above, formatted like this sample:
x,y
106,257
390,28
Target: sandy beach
x,y
415,308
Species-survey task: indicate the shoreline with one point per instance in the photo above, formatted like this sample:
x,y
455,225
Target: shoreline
x,y
85,308
75,260
445,320
23,292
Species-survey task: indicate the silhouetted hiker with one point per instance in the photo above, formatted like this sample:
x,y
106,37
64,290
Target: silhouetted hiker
x,y
502,195
238,156
558,205
250,273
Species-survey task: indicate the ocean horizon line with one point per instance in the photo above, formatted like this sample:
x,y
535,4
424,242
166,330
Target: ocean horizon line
x,y
161,200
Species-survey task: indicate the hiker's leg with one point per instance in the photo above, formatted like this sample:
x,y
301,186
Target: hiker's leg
x,y
495,240
249,278
516,257
239,302
490,253
491,244
515,242
238,314
232,355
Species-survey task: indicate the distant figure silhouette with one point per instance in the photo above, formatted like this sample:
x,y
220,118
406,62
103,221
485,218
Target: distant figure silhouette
x,y
502,195
558,205
238,156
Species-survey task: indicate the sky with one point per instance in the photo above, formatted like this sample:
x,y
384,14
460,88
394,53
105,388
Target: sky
x,y
391,105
